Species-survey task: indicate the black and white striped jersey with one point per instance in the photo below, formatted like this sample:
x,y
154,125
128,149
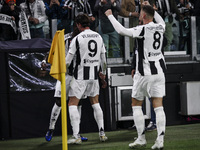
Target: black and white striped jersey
x,y
67,38
150,59
77,7
87,48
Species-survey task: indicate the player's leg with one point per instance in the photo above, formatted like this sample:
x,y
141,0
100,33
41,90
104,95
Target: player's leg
x,y
57,106
138,94
80,108
138,117
160,121
98,115
157,93
79,104
55,112
152,124
74,120
76,92
80,111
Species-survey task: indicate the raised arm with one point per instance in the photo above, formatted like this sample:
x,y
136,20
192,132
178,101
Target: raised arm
x,y
118,27
159,19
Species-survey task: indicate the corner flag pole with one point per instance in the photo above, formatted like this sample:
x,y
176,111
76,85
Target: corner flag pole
x,y
58,69
64,112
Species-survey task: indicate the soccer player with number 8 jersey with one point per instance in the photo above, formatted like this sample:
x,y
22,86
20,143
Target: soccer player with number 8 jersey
x,y
149,78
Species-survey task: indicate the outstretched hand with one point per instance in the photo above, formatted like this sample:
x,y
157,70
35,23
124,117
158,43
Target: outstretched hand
x,y
108,12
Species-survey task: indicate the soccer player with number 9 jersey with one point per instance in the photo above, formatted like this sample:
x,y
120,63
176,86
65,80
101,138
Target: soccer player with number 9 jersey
x,y
89,51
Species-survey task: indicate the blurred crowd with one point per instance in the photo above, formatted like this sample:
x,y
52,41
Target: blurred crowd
x,y
28,19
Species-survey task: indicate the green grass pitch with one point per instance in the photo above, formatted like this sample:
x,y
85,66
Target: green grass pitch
x,y
182,137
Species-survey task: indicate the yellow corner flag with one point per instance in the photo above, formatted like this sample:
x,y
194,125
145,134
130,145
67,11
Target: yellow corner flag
x,y
58,69
57,55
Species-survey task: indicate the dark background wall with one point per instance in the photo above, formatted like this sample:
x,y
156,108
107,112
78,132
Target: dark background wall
x,y
176,74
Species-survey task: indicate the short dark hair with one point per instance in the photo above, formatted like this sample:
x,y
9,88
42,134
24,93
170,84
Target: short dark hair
x,y
75,30
83,19
148,10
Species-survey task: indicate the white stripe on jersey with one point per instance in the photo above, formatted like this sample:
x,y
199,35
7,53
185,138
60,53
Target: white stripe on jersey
x,y
88,46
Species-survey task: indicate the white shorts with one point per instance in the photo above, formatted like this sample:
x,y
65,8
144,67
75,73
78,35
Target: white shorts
x,y
57,93
150,86
84,88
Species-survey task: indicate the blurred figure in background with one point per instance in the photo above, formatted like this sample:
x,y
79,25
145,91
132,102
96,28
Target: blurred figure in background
x,y
35,12
95,21
185,8
131,9
76,7
106,30
55,10
9,29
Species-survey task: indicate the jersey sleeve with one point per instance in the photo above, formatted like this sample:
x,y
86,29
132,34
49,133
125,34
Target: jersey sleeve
x,y
103,49
159,19
119,28
103,59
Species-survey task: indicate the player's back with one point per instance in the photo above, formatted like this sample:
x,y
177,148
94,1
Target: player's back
x,y
89,45
149,48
